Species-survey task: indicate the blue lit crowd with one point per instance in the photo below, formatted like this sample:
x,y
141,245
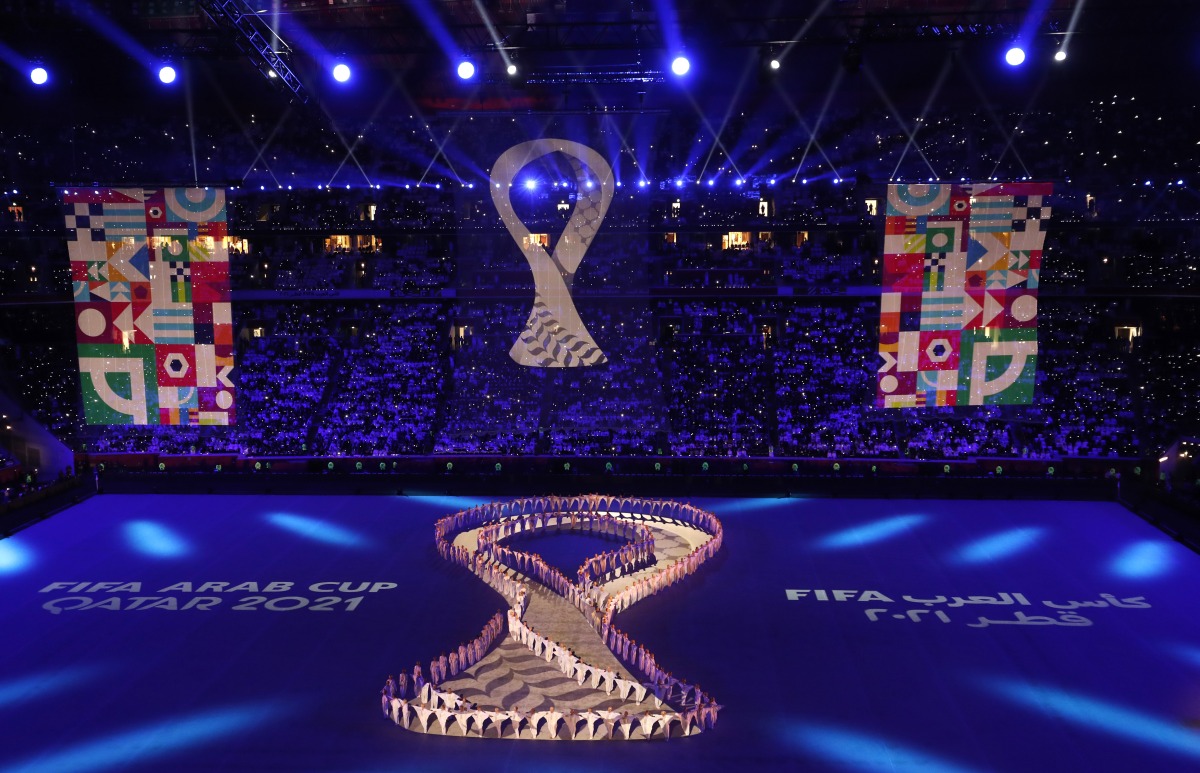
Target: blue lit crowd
x,y
739,317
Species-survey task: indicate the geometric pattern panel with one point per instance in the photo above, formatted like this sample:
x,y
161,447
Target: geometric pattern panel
x,y
153,320
958,304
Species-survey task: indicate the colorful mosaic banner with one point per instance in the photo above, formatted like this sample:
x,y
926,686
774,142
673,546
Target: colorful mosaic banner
x,y
958,311
150,271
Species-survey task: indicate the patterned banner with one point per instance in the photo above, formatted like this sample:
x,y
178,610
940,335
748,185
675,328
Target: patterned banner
x,y
150,271
958,311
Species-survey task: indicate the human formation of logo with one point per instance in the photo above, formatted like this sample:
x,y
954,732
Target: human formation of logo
x,y
154,325
958,311
554,335
554,666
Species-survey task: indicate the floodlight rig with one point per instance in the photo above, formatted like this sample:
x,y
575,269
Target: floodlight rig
x,y
266,50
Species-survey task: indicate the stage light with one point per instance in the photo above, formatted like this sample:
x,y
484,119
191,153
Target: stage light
x,y
156,738
848,748
680,65
511,69
1143,560
341,72
530,184
155,540
1060,55
1114,719
166,74
642,183
875,531
774,64
1014,56
39,76
466,70
999,546
14,557
35,686
679,183
318,530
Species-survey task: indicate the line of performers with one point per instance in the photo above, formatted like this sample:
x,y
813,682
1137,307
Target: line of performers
x,y
445,666
589,725
491,563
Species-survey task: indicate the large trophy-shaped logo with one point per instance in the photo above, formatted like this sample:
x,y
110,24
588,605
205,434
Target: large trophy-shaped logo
x,y
555,336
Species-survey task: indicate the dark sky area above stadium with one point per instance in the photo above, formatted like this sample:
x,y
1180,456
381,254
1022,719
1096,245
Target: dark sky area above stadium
x,y
589,56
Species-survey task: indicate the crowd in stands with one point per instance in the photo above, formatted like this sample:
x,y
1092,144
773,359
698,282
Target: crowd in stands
x,y
738,319
697,377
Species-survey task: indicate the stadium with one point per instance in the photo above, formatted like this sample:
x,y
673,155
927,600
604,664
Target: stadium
x,y
750,358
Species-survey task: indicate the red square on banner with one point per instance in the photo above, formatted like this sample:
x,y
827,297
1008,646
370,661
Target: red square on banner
x,y
939,350
904,272
176,365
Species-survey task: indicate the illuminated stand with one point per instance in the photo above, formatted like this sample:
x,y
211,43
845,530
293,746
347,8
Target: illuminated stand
x,y
554,335
562,647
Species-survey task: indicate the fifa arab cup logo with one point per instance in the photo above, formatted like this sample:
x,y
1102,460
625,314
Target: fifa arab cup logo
x,y
554,335
554,665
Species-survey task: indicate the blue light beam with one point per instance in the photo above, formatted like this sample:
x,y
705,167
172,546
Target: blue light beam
x,y
45,684
1097,714
875,531
131,748
1143,560
997,547
155,540
866,751
317,530
14,557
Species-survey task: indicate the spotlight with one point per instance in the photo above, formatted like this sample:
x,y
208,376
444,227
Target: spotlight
x,y
1060,55
39,76
511,69
466,70
166,73
530,184
680,65
341,72
773,64
1015,56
